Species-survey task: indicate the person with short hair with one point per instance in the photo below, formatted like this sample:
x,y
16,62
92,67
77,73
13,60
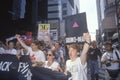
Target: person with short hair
x,y
51,63
110,59
93,62
77,66
59,54
36,55
10,48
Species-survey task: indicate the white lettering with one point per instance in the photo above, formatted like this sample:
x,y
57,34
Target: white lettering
x,y
4,66
24,69
20,66
28,75
80,39
74,39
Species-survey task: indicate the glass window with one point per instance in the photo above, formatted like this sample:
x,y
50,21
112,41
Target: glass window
x,y
64,5
64,12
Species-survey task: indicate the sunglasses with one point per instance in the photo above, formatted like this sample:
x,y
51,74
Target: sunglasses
x,y
49,54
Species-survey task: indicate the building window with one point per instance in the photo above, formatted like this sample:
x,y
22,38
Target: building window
x,y
53,5
64,5
64,12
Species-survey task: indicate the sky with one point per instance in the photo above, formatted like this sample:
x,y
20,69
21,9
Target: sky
x,y
91,12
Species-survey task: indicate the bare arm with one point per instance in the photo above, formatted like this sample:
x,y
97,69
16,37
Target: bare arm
x,y
21,42
118,61
86,46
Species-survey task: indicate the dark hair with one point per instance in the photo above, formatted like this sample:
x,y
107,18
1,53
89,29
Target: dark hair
x,y
59,42
53,52
108,43
11,42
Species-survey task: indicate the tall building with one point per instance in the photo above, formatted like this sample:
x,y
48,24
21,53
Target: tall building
x,y
100,13
70,7
54,17
39,13
106,19
19,16
25,15
57,11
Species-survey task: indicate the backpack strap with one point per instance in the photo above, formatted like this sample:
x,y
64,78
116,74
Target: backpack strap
x,y
118,59
117,55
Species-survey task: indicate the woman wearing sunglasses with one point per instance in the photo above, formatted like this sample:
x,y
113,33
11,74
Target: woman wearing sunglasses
x,y
51,63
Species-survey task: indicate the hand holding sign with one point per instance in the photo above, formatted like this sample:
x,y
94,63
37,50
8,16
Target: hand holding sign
x,y
17,36
87,37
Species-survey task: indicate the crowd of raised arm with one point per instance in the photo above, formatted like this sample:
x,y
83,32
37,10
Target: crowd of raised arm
x,y
64,58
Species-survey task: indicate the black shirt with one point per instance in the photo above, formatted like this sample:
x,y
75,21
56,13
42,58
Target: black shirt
x,y
94,53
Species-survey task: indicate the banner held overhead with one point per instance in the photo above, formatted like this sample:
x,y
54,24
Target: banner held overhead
x,y
75,25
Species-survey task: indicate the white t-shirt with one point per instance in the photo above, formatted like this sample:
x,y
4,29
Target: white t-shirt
x,y
11,51
36,55
77,70
23,53
53,66
111,56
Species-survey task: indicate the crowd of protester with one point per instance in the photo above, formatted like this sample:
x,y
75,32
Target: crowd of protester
x,y
74,58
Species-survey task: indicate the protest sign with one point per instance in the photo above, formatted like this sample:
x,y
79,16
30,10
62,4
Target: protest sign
x,y
75,25
43,31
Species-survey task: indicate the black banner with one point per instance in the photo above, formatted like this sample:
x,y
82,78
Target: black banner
x,y
8,67
40,73
24,68
75,25
13,69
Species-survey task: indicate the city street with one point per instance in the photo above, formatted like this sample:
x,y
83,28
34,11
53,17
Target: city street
x,y
76,39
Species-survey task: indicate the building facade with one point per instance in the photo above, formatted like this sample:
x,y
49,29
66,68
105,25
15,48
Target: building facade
x,y
106,19
57,11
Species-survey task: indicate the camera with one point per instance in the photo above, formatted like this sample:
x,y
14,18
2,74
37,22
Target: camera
x,y
108,63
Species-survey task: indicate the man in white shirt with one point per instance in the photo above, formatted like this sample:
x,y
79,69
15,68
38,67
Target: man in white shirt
x,y
110,58
11,49
36,55
77,66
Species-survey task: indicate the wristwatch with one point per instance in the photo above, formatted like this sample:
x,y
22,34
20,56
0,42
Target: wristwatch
x,y
87,42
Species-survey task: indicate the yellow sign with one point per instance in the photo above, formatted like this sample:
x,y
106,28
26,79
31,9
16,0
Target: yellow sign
x,y
43,31
44,27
